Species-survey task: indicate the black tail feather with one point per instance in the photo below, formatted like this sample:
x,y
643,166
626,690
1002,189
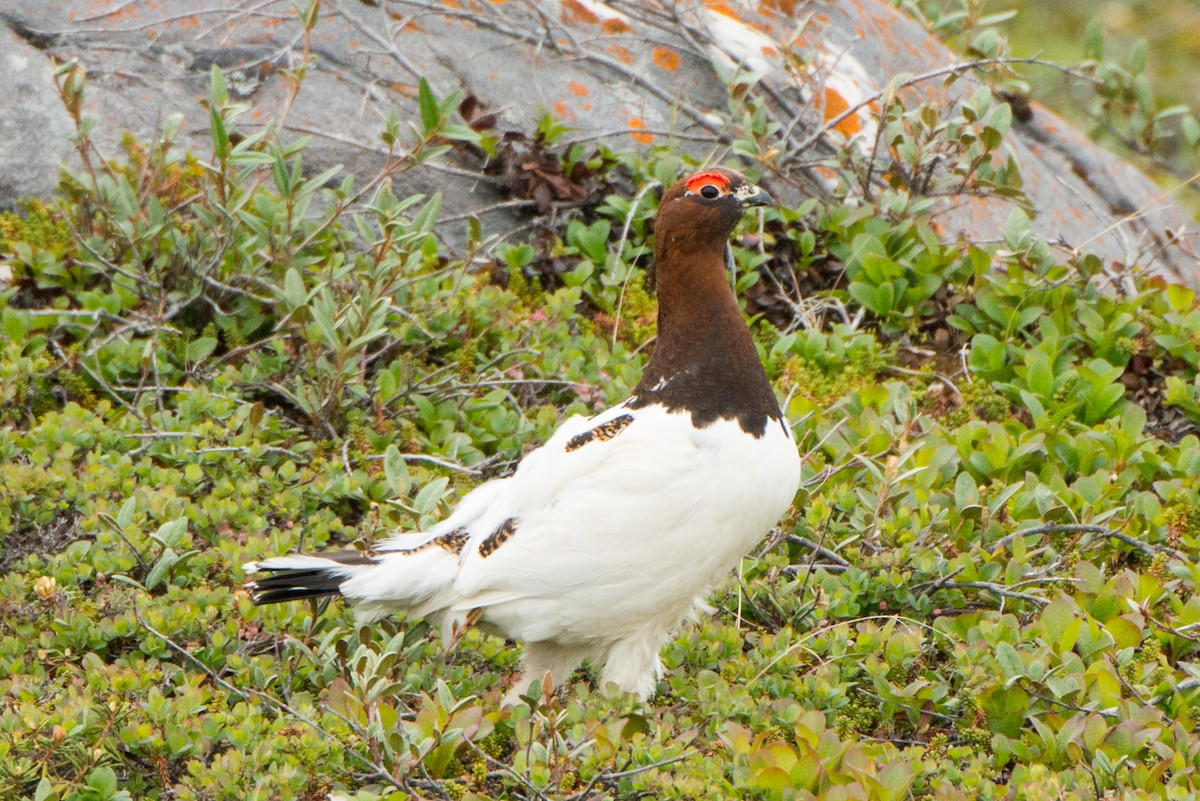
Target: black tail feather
x,y
280,584
293,585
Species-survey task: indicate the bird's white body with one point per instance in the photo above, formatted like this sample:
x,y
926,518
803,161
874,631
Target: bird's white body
x,y
612,541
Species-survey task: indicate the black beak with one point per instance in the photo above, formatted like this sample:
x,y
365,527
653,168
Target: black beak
x,y
750,195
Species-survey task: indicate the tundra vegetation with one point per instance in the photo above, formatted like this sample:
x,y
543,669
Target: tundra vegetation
x,y
990,578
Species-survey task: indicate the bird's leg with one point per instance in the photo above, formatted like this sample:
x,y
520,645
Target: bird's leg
x,y
633,665
540,658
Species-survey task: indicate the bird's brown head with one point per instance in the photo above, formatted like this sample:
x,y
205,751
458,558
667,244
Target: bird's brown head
x,y
702,209
704,359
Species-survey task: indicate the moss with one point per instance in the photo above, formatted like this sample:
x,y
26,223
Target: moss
x,y
38,225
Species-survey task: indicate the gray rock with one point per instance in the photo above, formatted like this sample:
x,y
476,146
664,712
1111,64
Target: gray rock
x,y
33,124
633,74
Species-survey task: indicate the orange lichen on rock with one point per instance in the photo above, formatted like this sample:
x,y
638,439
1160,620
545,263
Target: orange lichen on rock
x,y
637,126
615,25
835,104
575,11
825,173
622,53
786,8
562,111
724,8
578,89
666,58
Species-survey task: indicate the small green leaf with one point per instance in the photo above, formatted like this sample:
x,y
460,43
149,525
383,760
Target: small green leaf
x,y
395,469
125,516
896,778
44,791
170,533
220,138
161,568
1093,41
1139,56
103,781
293,288
201,348
16,325
427,216
1009,661
217,91
1016,230
429,107
1180,297
427,499
1039,375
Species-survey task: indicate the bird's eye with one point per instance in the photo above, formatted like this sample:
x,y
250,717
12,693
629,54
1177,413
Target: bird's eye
x,y
709,191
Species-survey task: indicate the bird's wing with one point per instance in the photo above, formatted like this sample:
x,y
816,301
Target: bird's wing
x,y
419,570
485,501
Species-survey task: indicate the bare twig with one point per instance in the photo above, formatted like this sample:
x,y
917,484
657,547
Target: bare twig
x,y
817,548
995,589
1085,528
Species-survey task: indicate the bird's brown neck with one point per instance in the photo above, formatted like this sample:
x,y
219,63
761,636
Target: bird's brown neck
x,y
704,359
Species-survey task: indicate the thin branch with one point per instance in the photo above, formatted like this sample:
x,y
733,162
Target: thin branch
x,y
1085,528
817,548
996,589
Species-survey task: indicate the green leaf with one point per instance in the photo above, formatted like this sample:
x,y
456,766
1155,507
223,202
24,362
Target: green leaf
x,y
1016,230
169,534
808,241
428,106
44,791
1139,56
772,778
427,499
864,293
103,781
123,579
158,573
217,93
293,288
1093,41
125,515
1060,623
426,218
201,348
16,325
1039,375
220,138
896,778
1010,661
395,469
1180,297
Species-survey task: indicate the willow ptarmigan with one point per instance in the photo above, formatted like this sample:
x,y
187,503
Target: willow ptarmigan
x,y
606,537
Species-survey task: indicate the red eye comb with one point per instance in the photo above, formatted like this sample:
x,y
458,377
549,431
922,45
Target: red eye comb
x,y
720,180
